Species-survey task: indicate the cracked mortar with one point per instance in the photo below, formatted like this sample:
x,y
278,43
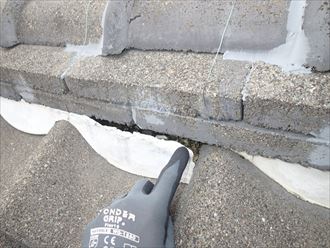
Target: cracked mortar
x,y
191,144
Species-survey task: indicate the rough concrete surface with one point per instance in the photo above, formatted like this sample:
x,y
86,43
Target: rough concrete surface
x,y
15,148
317,29
61,186
230,203
298,103
61,22
164,81
6,241
195,25
34,67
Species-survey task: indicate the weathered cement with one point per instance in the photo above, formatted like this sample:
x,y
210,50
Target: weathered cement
x,y
61,186
99,109
163,91
317,30
58,23
194,25
298,103
230,203
163,81
235,135
34,67
10,13
240,136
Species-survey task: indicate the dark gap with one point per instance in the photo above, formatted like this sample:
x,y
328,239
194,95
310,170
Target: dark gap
x,y
65,85
134,18
242,110
191,144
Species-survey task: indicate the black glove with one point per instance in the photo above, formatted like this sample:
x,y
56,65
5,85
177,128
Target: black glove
x,y
141,218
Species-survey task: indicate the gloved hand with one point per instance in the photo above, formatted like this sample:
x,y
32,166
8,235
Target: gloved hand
x,y
141,218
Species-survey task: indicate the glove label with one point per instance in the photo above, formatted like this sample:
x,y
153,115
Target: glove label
x,y
116,232
113,224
